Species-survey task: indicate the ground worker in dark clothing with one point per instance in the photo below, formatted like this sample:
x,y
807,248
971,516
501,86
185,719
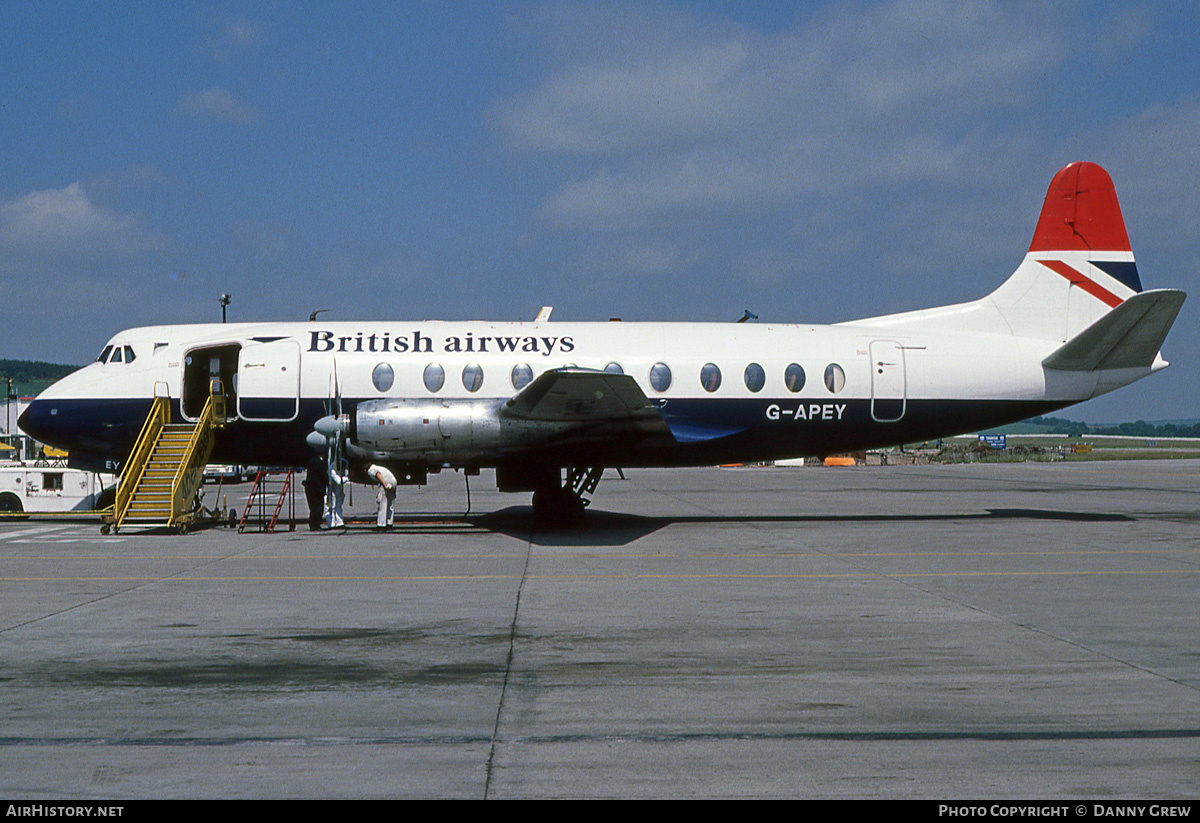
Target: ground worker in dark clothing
x,y
315,485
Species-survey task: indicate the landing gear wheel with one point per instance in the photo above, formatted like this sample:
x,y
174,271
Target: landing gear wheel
x,y
558,507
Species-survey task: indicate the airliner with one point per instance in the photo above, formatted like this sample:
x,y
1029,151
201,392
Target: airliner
x,y
549,405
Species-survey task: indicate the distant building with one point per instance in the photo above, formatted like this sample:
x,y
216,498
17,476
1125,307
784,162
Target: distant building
x,y
11,434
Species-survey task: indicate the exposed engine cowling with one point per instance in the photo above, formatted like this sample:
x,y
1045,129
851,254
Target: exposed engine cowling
x,y
437,431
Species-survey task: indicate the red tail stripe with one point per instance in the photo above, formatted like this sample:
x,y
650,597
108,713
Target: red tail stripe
x,y
1081,213
1079,279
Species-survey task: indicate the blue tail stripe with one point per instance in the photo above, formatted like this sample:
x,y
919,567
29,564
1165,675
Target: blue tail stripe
x,y
1123,270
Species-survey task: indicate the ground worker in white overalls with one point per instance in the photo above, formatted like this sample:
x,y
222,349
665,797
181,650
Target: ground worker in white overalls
x,y
337,491
385,495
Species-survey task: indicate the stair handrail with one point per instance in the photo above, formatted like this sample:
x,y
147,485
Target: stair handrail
x,y
216,396
190,475
139,457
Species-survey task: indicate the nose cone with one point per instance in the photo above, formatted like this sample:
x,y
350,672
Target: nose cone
x,y
46,419
23,421
37,421
56,415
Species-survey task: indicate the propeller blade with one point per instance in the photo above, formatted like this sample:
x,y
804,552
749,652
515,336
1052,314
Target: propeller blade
x,y
337,392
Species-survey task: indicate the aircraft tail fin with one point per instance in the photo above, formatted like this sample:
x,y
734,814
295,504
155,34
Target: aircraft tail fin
x,y
1078,270
1080,265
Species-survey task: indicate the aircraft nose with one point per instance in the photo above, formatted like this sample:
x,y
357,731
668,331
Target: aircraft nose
x,y
41,421
23,419
55,417
31,423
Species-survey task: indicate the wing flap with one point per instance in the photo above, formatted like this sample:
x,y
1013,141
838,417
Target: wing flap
x,y
581,396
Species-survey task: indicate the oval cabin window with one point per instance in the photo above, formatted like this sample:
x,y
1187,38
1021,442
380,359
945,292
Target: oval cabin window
x,y
835,378
434,377
660,377
383,377
793,377
756,378
472,377
522,375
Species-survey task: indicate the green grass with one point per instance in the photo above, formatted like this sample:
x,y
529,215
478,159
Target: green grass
x,y
1046,448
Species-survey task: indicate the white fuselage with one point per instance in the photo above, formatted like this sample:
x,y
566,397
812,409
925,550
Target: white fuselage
x,y
856,384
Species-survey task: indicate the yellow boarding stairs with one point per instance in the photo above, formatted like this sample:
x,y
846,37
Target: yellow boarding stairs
x,y
165,470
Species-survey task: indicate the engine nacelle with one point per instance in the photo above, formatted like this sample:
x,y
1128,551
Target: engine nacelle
x,y
436,431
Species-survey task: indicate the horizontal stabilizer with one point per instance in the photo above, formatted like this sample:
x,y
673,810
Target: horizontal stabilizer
x,y
1128,337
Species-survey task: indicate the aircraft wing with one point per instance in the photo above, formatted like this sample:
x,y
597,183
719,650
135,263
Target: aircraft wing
x,y
599,404
583,396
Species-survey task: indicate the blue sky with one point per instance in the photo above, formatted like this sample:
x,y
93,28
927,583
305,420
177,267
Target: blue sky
x,y
652,161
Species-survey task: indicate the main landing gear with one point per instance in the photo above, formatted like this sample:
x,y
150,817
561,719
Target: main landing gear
x,y
563,505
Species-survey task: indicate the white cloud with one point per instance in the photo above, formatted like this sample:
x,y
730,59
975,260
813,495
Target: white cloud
x,y
601,109
217,104
67,220
690,115
232,37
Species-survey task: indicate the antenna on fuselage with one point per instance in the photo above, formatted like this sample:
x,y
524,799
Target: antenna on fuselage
x,y
749,315
313,316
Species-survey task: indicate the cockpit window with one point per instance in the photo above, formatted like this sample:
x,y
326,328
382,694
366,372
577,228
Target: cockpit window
x,y
117,354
